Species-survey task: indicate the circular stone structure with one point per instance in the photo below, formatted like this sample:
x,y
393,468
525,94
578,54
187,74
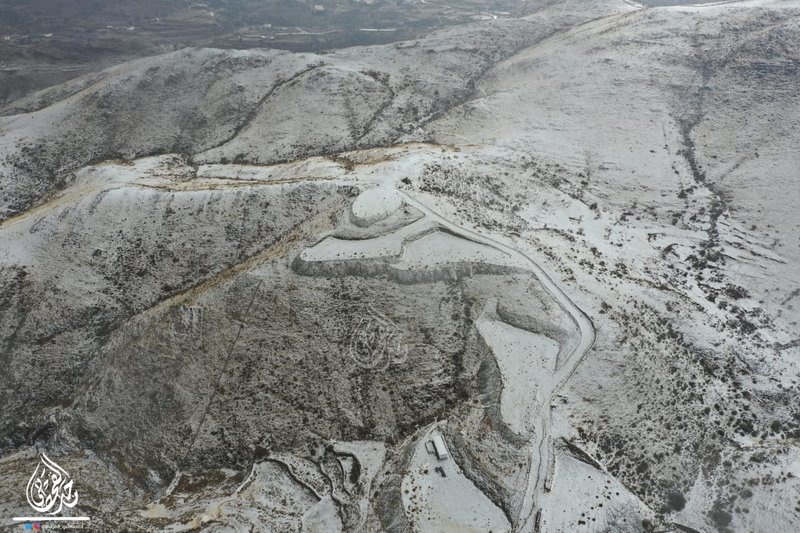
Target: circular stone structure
x,y
375,204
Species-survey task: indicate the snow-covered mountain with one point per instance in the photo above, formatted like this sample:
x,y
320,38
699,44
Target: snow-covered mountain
x,y
248,290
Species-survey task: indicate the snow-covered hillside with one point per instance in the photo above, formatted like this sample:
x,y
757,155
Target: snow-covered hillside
x,y
247,290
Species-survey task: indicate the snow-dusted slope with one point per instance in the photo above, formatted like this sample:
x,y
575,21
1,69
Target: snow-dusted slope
x,y
243,289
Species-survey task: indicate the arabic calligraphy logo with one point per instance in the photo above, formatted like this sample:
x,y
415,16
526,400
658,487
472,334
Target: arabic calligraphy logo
x,y
50,488
377,342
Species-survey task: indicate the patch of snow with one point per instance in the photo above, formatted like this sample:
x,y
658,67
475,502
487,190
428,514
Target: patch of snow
x,y
446,504
375,204
527,363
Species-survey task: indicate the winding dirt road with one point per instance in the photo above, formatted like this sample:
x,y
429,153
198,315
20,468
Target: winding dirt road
x,y
541,446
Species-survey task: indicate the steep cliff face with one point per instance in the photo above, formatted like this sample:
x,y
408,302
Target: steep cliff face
x,y
245,289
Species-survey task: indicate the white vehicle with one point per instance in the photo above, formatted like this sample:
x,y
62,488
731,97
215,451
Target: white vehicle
x,y
439,448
